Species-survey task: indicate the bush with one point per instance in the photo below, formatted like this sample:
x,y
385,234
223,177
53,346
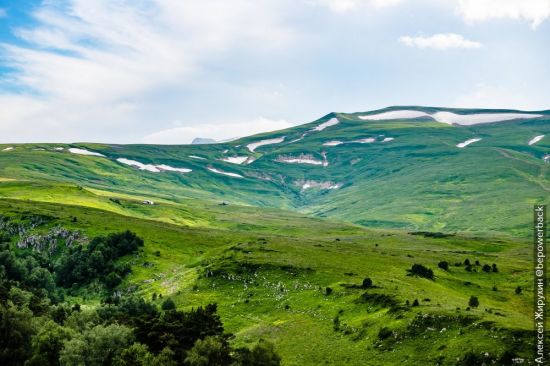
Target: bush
x,y
467,262
168,304
443,265
384,333
486,268
473,302
416,303
421,271
367,283
519,290
328,291
494,267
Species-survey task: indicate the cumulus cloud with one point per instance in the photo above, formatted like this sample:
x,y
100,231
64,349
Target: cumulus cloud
x,y
532,11
218,131
440,41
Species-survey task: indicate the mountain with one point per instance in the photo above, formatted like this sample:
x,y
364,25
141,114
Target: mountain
x,y
202,140
394,236
417,168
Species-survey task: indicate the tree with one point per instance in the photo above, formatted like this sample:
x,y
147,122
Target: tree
x,y
421,271
15,334
97,346
263,354
519,290
466,262
444,265
494,267
210,351
416,303
168,304
112,280
473,302
48,343
486,268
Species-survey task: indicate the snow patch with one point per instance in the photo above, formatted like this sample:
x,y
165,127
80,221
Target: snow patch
x,y
536,139
168,168
474,119
8,148
546,158
368,140
450,117
467,142
302,159
197,157
405,114
74,150
333,143
235,159
151,167
307,184
59,148
217,171
322,126
254,145
388,139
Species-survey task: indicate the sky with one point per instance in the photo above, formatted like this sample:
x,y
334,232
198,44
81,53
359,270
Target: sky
x,y
167,71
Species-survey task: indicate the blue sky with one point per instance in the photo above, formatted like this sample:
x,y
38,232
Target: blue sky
x,y
166,71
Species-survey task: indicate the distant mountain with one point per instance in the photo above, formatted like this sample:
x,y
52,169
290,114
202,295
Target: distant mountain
x,y
202,140
419,168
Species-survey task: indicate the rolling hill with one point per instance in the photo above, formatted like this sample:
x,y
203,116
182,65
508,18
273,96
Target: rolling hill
x,y
416,168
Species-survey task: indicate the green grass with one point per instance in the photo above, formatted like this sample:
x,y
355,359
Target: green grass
x,y
254,272
419,181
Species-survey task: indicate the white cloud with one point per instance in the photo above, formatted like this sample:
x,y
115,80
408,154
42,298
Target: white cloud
x,y
217,131
532,11
484,95
440,41
344,6
93,65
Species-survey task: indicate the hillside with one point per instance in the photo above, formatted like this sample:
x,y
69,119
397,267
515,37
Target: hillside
x,y
417,168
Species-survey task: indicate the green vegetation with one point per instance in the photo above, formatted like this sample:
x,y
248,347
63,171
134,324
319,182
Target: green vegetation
x,y
102,263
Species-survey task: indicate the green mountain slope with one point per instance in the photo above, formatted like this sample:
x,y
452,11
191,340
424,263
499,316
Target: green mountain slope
x,y
406,173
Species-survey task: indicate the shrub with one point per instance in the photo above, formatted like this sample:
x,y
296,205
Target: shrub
x,y
168,304
519,290
467,262
494,267
474,302
421,271
416,303
486,268
444,265
367,283
328,291
384,333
